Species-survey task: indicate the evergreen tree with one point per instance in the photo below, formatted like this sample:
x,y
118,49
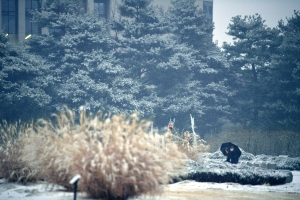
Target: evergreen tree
x,y
140,31
24,82
190,26
54,16
250,57
197,70
284,104
82,51
161,60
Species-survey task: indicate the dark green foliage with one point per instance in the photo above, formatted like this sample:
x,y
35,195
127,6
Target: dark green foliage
x,y
189,25
174,61
250,57
195,72
143,47
161,64
148,67
82,51
53,10
285,93
264,70
24,82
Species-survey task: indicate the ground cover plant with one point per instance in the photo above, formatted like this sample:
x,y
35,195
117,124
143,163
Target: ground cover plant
x,y
114,155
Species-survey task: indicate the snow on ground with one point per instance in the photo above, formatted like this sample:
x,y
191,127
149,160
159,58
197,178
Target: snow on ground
x,y
293,187
182,190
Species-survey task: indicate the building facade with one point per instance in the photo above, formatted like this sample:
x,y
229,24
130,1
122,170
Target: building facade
x,y
205,5
15,16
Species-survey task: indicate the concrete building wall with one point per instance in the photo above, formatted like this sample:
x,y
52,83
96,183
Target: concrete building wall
x,y
21,20
112,6
165,4
90,5
0,14
12,37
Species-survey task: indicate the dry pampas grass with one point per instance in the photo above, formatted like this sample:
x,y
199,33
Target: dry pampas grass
x,y
12,166
190,146
114,155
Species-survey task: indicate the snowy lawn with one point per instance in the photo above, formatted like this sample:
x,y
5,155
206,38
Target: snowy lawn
x,y
181,190
186,189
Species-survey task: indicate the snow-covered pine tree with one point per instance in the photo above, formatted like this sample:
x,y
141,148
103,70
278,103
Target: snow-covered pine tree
x,y
24,82
284,103
250,56
194,80
82,51
139,28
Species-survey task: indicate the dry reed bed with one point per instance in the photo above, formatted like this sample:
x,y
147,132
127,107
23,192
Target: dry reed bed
x,y
270,142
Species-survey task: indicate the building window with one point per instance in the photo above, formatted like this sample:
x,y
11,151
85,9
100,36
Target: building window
x,y
208,10
9,16
31,28
100,7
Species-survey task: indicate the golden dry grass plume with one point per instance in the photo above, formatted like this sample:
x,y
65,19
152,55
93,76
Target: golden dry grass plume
x,y
191,147
12,166
114,155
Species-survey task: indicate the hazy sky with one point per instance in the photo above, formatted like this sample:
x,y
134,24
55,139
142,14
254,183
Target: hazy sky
x,y
270,10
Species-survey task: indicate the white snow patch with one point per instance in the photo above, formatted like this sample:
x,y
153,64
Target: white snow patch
x,y
14,191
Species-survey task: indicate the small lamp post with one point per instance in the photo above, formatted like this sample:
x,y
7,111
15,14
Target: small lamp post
x,y
74,181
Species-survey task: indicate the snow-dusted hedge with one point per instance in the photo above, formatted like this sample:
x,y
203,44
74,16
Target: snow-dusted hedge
x,y
220,171
213,168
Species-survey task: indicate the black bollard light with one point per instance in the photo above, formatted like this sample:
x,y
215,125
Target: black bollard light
x,y
74,181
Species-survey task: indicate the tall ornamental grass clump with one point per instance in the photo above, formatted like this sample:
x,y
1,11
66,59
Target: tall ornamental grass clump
x,y
12,167
190,146
114,155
